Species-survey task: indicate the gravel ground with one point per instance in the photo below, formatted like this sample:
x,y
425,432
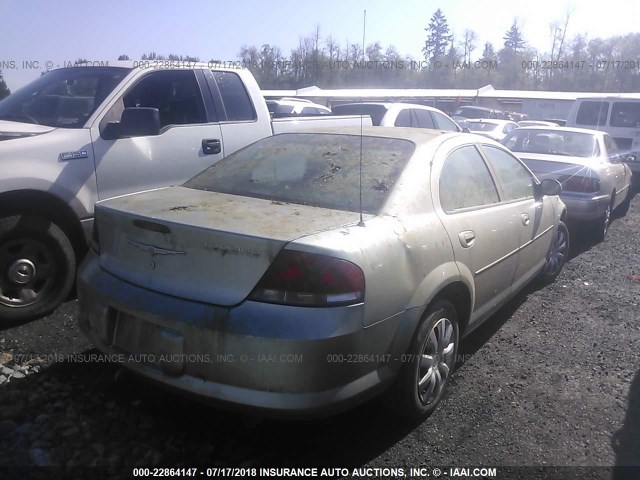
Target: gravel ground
x,y
551,379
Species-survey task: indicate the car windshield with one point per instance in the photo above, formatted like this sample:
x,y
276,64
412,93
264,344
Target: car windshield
x,y
321,170
481,126
470,112
62,98
376,112
553,142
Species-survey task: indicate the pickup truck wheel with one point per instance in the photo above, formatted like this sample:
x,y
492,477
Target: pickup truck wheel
x,y
429,363
37,267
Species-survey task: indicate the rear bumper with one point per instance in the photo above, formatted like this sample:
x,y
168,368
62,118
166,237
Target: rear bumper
x,y
584,206
271,359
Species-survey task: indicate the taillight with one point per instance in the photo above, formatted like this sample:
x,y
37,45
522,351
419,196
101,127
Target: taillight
x,y
310,280
577,183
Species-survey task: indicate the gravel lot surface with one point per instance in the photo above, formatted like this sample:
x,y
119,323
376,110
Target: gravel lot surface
x,y
552,379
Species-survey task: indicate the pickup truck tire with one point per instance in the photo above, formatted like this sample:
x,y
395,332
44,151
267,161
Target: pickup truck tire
x,y
37,267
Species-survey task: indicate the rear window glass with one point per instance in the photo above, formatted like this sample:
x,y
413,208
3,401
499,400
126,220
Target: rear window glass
x,y
321,170
475,112
592,113
552,142
376,112
481,126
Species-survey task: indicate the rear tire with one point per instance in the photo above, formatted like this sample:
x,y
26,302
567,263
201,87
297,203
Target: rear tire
x,y
429,364
37,267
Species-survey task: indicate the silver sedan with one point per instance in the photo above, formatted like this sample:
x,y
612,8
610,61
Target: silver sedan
x,y
587,163
308,272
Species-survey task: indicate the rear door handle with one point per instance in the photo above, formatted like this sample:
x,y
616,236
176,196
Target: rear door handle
x,y
525,219
467,238
211,146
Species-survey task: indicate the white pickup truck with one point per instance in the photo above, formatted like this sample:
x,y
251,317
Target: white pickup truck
x,y
82,134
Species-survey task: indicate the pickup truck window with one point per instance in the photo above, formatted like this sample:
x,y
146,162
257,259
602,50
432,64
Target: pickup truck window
x,y
62,98
237,102
404,119
321,170
424,118
443,123
175,93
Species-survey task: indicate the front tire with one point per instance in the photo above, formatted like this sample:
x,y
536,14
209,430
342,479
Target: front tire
x,y
429,364
602,224
623,208
556,256
37,267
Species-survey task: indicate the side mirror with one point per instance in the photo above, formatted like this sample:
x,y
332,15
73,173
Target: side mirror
x,y
466,130
549,186
135,122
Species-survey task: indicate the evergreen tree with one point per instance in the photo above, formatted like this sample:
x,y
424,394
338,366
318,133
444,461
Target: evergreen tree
x,y
438,37
4,90
513,39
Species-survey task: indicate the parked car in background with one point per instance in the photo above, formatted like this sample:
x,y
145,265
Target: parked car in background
x,y
400,115
536,123
469,111
78,135
556,121
595,180
619,116
288,107
494,129
310,271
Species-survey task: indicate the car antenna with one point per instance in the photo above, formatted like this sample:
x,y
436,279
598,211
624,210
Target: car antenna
x,y
364,29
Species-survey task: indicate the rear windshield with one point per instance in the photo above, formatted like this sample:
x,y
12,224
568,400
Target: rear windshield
x,y
376,112
474,113
552,142
481,126
321,170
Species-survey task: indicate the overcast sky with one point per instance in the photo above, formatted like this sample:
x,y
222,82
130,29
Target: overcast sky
x,y
65,31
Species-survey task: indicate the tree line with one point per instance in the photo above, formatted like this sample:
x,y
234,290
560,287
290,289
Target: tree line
x,y
569,64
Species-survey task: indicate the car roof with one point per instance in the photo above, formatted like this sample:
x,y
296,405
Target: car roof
x,y
389,105
559,129
474,107
495,121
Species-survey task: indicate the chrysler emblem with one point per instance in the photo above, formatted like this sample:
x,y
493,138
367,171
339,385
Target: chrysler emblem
x,y
152,250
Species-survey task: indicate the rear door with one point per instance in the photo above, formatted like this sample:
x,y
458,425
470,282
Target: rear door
x,y
241,121
485,233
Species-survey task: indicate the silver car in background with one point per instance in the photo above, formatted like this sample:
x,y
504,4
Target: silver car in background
x,y
308,272
587,163
494,129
